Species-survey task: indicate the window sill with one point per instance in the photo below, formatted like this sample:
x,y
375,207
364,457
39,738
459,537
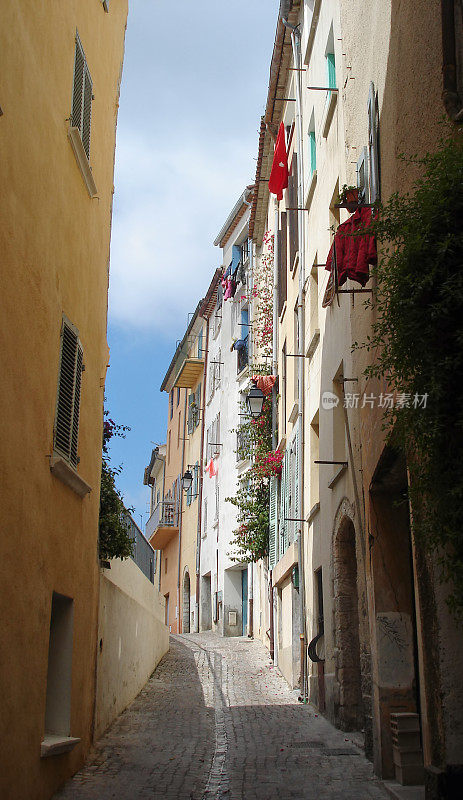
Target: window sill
x,y
295,265
330,106
311,190
313,512
68,475
244,462
294,412
243,374
313,344
337,475
55,745
82,160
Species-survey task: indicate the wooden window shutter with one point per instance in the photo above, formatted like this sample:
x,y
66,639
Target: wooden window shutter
x,y
297,510
284,496
82,96
331,70
373,145
69,388
293,215
282,262
273,519
313,152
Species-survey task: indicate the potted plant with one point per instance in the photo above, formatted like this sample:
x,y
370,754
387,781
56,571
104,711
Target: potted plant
x,y
348,196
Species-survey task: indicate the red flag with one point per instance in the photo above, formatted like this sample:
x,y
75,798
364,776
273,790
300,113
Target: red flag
x,y
279,174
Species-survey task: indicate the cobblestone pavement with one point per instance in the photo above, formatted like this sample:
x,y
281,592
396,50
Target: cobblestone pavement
x,y
216,721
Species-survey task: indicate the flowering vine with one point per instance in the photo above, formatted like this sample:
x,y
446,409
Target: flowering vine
x,y
251,537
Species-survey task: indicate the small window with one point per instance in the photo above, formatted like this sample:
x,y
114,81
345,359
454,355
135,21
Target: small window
x,y
331,70
178,396
58,697
171,404
362,176
82,97
69,386
312,145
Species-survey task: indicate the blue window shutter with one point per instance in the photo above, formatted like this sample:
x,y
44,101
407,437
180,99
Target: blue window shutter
x,y
313,152
273,522
331,67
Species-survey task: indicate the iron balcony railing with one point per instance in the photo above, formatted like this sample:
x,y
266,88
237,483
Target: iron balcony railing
x,y
243,355
143,553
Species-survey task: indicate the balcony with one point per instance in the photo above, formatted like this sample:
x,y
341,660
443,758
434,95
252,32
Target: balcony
x,y
190,371
162,525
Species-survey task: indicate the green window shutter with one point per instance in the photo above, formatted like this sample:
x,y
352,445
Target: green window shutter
x,y
331,68
297,510
68,403
273,520
82,96
200,344
313,152
284,506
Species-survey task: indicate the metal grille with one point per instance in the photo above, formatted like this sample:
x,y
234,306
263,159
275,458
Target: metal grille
x,y
143,553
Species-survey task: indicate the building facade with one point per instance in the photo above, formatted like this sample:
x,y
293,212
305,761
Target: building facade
x,y
347,578
59,113
225,580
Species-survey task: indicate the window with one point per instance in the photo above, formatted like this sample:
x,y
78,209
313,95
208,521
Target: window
x,y
165,566
331,70
205,518
200,344
58,698
284,388
373,144
312,145
178,396
82,97
282,262
362,176
244,251
216,498
171,404
168,446
69,385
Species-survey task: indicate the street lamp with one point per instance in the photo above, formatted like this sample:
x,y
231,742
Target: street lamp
x,y
187,481
255,401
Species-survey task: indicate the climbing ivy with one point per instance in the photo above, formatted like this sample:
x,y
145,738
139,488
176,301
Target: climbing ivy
x,y
417,344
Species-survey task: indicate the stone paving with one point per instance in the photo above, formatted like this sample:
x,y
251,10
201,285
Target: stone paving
x,y
216,721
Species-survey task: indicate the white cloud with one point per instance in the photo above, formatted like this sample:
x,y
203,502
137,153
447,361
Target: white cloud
x,y
171,200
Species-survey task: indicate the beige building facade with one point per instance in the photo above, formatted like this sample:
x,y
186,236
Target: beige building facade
x,y
58,125
346,577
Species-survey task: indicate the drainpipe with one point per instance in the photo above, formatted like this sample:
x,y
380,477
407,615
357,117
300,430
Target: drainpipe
x,y
296,45
200,488
180,514
450,95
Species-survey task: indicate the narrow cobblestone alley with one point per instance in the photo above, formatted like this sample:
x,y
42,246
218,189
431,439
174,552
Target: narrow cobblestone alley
x,y
216,720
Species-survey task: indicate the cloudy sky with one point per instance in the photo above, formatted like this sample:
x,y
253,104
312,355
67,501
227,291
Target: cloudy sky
x,y
193,91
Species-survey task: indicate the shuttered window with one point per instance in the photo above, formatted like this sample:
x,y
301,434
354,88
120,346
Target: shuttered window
x,y
331,70
273,521
69,385
373,145
293,224
282,263
82,96
313,152
284,506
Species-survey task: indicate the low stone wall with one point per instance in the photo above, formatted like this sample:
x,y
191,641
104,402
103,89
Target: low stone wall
x,y
132,638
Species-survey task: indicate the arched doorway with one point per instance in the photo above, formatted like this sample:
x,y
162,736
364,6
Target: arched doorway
x,y
186,602
348,707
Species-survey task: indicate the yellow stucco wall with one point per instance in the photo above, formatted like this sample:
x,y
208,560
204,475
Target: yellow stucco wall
x,y
55,250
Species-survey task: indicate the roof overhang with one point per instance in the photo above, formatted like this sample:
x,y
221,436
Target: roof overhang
x,y
236,214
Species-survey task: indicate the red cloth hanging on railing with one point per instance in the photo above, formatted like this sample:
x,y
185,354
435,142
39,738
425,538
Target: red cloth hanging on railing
x,y
355,250
264,383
